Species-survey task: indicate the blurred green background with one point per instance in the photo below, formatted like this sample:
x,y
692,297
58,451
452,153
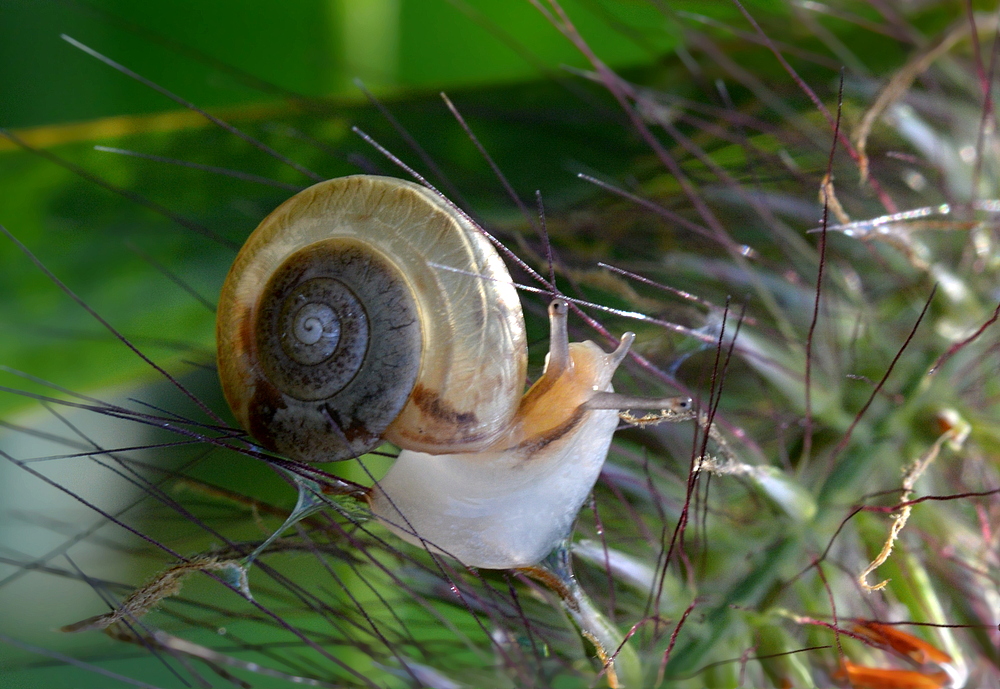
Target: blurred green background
x,y
305,47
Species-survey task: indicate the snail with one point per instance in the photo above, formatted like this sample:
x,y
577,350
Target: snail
x,y
368,309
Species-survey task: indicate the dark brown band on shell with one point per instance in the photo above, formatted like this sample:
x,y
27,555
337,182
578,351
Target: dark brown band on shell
x,y
338,342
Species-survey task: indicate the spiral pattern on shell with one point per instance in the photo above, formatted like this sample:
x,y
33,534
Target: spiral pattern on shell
x,y
368,308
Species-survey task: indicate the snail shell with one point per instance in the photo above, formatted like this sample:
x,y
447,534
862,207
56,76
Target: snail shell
x,y
340,325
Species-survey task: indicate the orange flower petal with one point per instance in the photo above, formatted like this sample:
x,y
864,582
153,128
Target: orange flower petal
x,y
898,640
862,677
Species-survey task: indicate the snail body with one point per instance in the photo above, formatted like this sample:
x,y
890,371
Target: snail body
x,y
510,504
368,309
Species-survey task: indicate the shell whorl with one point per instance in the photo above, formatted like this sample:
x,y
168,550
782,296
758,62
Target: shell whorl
x,y
366,308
